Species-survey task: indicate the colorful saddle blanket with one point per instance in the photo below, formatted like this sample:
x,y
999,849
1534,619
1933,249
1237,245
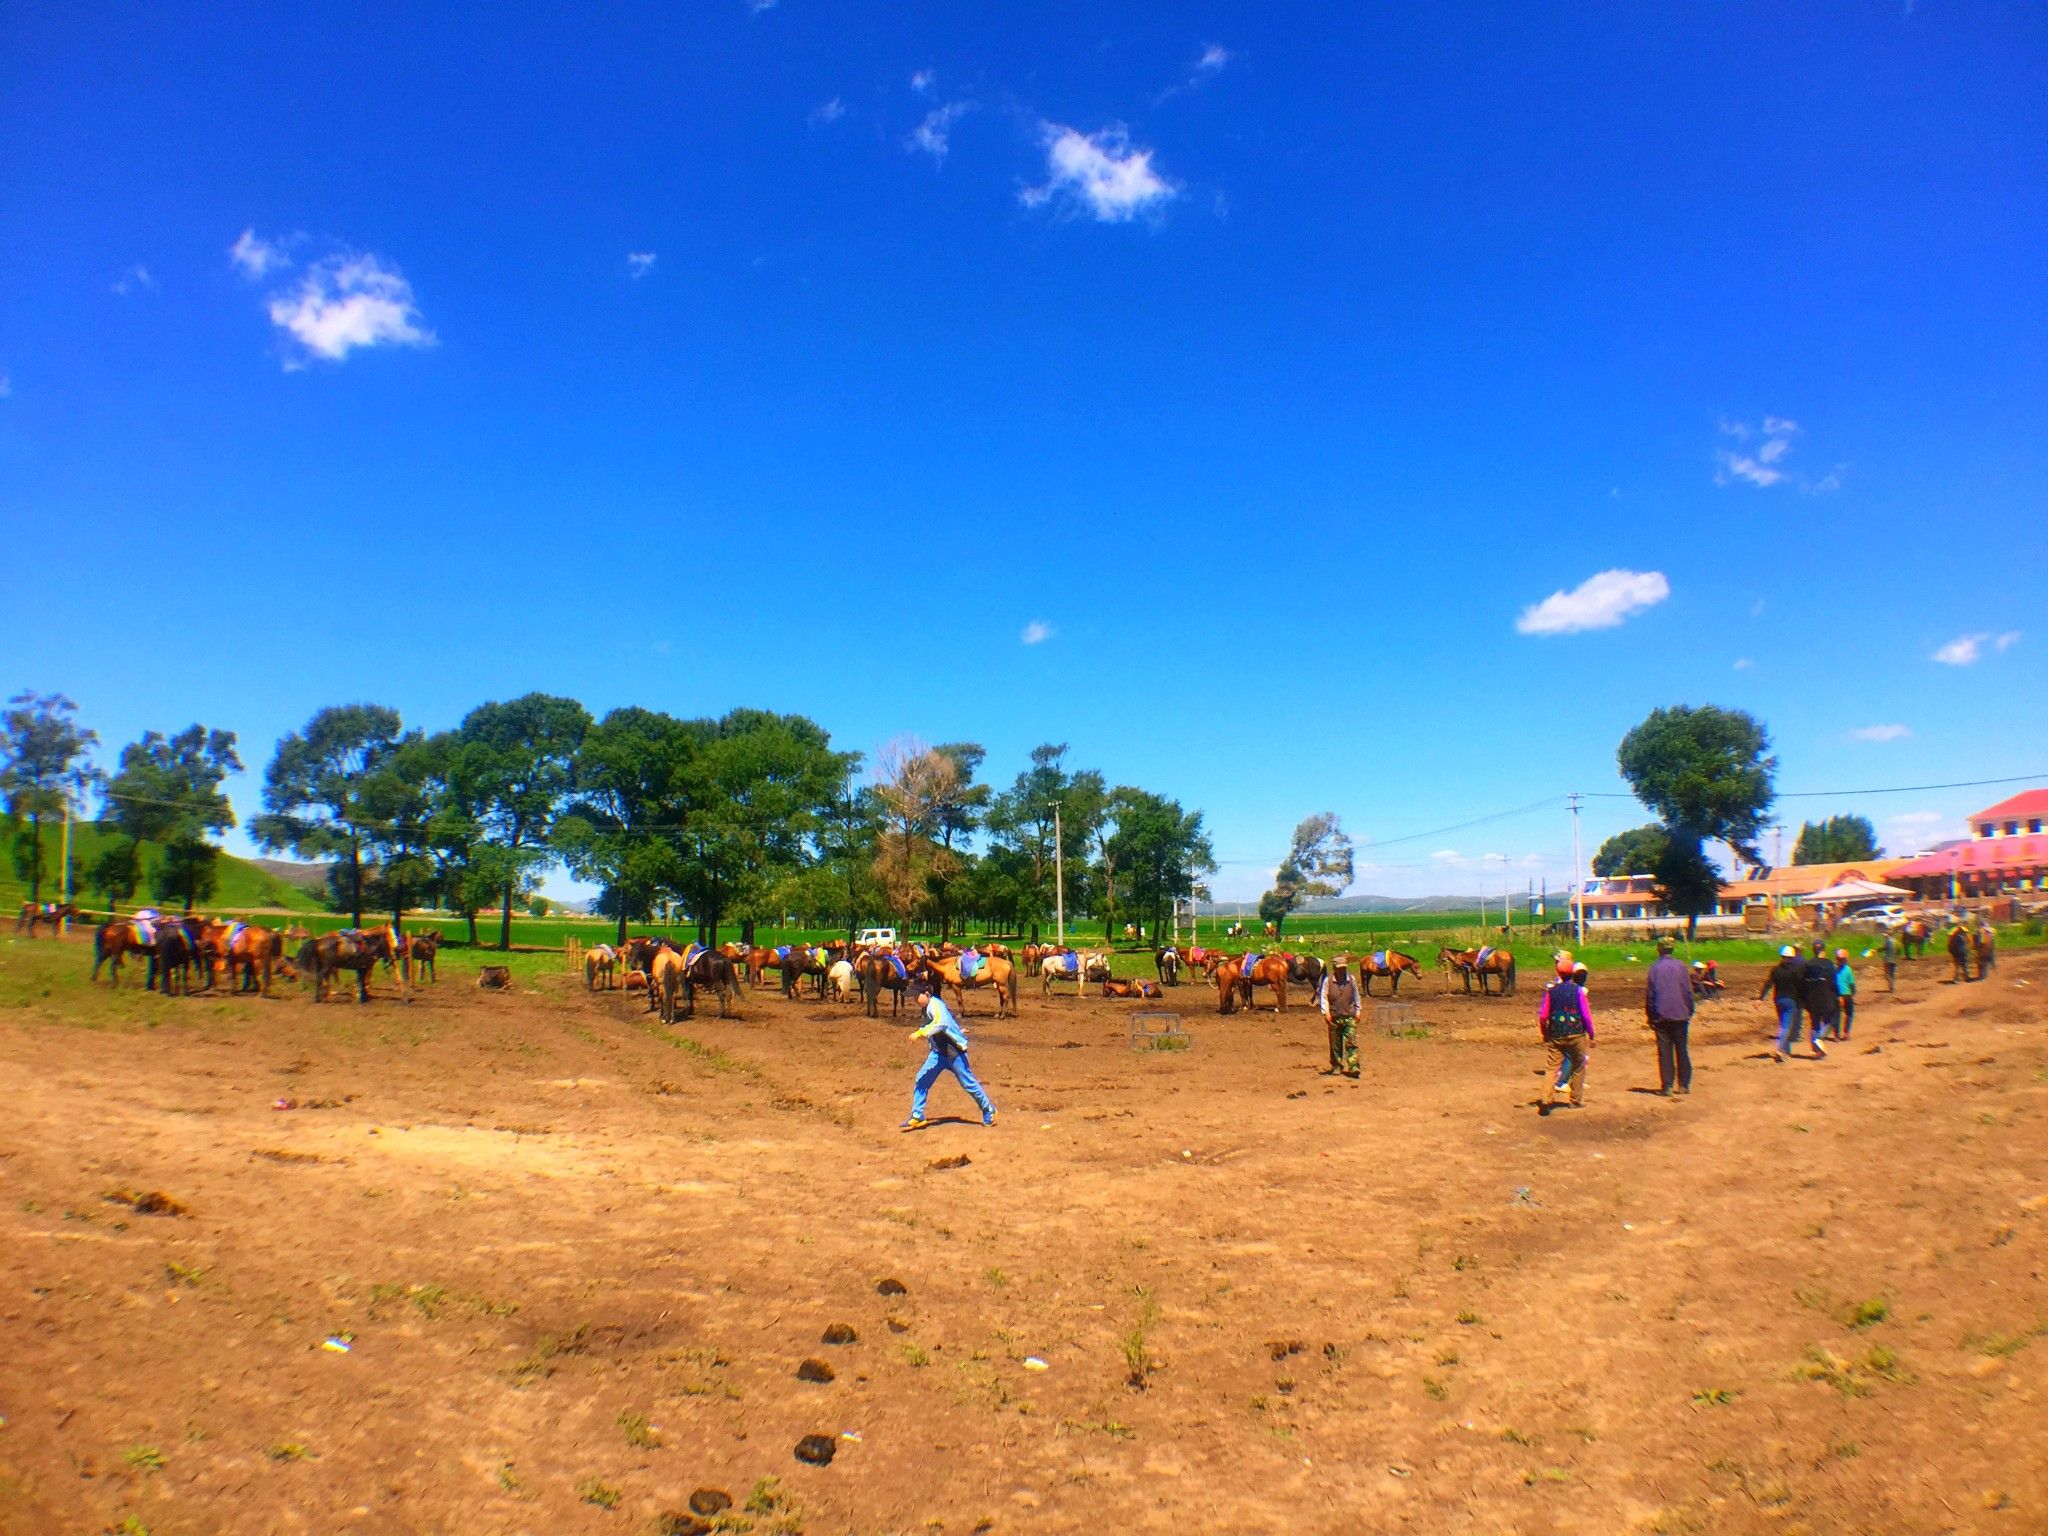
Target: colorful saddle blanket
x,y
902,973
1485,954
970,964
1251,962
1379,959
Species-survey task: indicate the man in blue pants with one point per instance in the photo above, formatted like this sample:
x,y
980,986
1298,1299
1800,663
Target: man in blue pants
x,y
948,1054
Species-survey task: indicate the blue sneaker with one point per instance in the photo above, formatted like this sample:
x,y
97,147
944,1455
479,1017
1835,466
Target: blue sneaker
x,y
989,1117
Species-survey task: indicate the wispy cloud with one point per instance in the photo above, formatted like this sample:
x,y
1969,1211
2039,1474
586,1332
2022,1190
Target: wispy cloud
x,y
922,81
828,111
1598,602
6,384
1766,466
257,257
1213,58
934,135
758,6
344,303
1037,632
1743,664
1100,173
1964,650
1881,733
136,279
639,264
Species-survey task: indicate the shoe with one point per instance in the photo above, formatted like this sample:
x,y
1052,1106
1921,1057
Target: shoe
x,y
1686,1091
989,1118
1777,1055
915,1123
1819,1051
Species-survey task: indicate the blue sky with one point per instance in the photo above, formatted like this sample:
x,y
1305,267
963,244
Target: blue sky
x,y
1269,367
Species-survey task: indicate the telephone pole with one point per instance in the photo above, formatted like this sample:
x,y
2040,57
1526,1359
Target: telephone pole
x,y
1578,886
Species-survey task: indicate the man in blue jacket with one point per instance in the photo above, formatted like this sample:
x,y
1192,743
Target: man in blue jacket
x,y
1667,1000
948,1054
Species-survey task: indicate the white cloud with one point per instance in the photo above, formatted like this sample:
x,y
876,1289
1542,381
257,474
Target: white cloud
x,y
1881,733
1743,664
1598,602
1759,469
639,263
922,81
1779,426
1037,632
1740,466
828,111
2006,641
1100,172
934,134
758,6
135,278
1827,484
1961,651
346,302
257,257
1213,58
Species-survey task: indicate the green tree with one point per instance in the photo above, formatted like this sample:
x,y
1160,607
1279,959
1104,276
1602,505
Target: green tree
x,y
630,793
1837,840
1045,799
1318,864
957,818
519,760
115,871
912,783
168,792
43,772
321,801
1634,852
1161,851
1707,773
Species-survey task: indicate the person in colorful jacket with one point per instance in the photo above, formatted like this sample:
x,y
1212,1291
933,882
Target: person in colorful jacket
x,y
1565,1021
1845,991
948,1053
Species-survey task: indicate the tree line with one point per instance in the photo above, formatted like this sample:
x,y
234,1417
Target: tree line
x,y
750,818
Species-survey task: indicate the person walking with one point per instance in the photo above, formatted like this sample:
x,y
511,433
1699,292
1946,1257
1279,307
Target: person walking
x,y
948,1054
1819,998
1339,1001
1891,960
1783,986
1668,1003
1565,1020
1959,952
1987,947
1845,995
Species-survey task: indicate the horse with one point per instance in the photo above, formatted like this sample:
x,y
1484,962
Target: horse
x,y
756,964
1233,985
421,949
352,949
945,972
879,968
1307,970
796,965
1167,962
177,952
1483,963
1067,965
1204,960
1387,962
114,940
600,961
841,984
1913,937
671,972
56,914
254,953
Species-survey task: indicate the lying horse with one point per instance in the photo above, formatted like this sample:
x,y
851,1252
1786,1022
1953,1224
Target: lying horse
x,y
1390,963
945,972
323,959
1485,963
1234,986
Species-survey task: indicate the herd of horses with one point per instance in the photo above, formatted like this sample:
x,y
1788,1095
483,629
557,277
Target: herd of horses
x,y
177,948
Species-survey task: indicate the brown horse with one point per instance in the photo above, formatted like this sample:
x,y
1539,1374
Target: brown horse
x,y
756,964
879,969
1167,962
1486,964
423,950
1913,937
322,960
801,961
249,954
944,972
600,961
114,941
1390,963
1234,986
56,914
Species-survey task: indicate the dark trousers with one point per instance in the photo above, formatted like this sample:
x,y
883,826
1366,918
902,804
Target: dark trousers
x,y
1847,1021
1674,1055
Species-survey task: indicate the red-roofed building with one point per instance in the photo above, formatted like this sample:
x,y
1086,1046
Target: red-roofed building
x,y
2006,853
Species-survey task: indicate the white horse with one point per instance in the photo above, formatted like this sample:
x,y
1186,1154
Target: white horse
x,y
841,985
1075,967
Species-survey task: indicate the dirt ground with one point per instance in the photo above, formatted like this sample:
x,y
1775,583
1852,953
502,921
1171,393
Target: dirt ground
x,y
578,1262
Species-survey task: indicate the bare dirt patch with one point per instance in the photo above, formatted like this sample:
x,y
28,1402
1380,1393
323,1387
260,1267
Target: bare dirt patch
x,y
540,1265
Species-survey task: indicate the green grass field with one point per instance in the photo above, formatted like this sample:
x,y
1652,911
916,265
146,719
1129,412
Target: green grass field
x,y
241,886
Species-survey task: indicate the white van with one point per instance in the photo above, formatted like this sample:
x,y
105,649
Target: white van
x,y
876,936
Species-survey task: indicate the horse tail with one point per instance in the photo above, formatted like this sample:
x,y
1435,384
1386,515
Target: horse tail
x,y
1511,973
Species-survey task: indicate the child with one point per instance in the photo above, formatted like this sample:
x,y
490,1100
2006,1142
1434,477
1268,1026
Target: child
x,y
1565,1020
1845,989
948,1054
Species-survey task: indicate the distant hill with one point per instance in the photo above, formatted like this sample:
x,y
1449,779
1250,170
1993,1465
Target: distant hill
x,y
242,885
1341,905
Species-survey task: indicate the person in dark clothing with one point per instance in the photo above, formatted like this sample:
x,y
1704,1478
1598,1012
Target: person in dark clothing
x,y
1784,986
1819,997
1959,952
1667,1001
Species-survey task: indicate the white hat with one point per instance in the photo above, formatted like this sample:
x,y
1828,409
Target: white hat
x,y
1788,951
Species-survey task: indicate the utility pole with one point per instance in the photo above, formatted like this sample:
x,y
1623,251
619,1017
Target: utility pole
x,y
1578,897
1059,873
64,893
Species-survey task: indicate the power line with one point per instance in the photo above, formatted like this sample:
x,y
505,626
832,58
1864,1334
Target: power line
x,y
1894,789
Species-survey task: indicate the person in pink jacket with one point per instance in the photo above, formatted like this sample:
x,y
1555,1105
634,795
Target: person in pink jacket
x,y
1565,1020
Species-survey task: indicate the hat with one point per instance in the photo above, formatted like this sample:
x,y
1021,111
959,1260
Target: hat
x,y
1841,954
1564,966
1699,965
1666,944
1787,952
1340,962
